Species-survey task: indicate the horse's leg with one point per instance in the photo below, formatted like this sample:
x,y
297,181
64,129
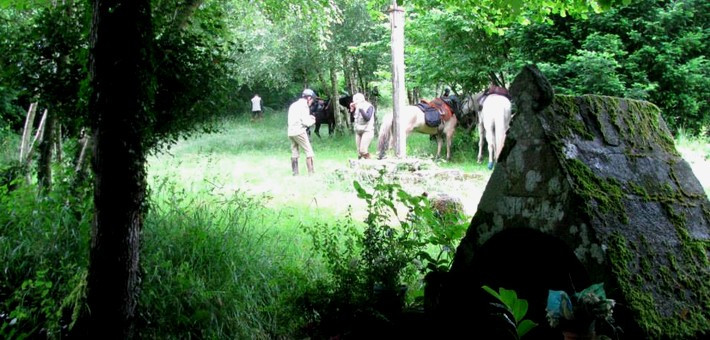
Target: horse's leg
x,y
438,146
449,137
383,141
491,140
317,131
500,133
481,141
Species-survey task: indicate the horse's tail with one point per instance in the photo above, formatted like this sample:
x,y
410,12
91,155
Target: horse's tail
x,y
385,134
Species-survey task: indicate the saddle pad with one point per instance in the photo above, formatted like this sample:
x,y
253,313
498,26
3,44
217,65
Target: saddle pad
x,y
432,117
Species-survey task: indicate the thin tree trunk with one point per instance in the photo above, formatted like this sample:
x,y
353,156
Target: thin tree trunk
x,y
28,146
341,123
121,32
348,72
358,79
58,149
44,163
86,145
27,132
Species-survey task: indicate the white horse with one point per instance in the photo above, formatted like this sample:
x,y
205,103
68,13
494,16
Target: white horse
x,y
493,123
413,121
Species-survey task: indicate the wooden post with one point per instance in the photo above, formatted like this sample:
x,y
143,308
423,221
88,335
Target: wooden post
x,y
399,93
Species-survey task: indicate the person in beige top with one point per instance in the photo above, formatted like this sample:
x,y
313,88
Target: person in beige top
x,y
256,108
364,124
299,118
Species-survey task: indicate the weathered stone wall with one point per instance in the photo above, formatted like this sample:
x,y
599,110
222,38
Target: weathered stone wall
x,y
602,174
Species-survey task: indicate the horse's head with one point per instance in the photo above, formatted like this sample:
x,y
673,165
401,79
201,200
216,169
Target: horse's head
x,y
469,104
317,107
470,108
345,101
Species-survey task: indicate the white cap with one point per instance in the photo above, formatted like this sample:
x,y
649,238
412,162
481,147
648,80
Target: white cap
x,y
358,98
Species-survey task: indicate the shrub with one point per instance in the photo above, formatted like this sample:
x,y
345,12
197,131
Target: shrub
x,y
403,238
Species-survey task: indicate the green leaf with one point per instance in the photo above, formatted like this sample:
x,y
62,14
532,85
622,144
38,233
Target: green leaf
x,y
426,256
508,296
519,308
525,326
492,292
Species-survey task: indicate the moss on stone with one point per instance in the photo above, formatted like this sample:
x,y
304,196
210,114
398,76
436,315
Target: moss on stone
x,y
573,124
602,106
689,318
643,122
638,301
606,192
639,191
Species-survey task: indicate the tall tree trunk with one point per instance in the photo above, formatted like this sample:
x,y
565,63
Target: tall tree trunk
x,y
341,123
119,59
360,84
348,72
44,163
58,149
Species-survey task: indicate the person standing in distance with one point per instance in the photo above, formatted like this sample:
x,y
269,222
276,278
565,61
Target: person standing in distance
x,y
364,124
256,107
299,118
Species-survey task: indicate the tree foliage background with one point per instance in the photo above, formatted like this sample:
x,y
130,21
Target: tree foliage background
x,y
211,56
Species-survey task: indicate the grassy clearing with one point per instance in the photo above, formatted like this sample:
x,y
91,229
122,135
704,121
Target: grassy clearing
x,y
255,157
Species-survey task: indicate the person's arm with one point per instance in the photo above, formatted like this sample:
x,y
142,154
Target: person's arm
x,y
367,114
307,118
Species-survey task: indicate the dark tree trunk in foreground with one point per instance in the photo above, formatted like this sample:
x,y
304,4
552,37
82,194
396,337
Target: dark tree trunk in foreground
x,y
119,70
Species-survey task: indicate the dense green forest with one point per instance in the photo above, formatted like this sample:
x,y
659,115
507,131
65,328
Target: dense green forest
x,y
114,83
216,55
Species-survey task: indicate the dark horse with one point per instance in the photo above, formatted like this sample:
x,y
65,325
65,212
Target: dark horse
x,y
324,112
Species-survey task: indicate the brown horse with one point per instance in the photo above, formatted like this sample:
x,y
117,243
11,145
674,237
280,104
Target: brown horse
x,y
413,120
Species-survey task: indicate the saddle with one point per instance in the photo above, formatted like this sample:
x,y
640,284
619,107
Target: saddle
x,y
493,89
435,111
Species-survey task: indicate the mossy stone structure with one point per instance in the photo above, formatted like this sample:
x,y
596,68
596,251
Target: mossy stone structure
x,y
587,189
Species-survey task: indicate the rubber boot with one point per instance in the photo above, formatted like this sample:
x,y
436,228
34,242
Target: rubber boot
x,y
366,155
309,164
294,166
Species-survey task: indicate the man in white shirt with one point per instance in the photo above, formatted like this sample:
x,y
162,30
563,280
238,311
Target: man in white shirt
x,y
299,118
256,107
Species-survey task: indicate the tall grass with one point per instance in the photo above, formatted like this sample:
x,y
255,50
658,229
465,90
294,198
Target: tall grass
x,y
44,244
214,267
